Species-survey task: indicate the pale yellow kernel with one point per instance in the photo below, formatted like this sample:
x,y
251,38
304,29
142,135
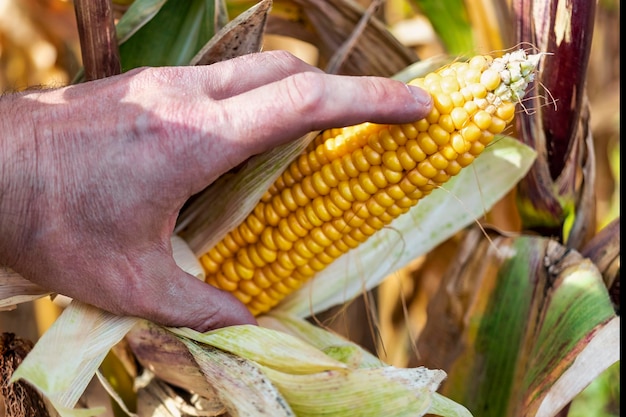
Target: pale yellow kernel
x,y
482,119
421,126
418,82
432,78
497,125
387,141
415,151
426,169
357,191
477,62
467,93
428,145
490,79
470,133
377,177
506,111
409,130
459,117
398,135
360,161
365,181
470,107
449,84
471,76
390,160
443,103
438,134
446,122
478,90
406,161
457,99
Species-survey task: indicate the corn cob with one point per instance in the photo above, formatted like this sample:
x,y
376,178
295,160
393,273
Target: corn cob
x,y
352,181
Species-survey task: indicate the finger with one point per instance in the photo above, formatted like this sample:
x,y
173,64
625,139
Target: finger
x,y
287,109
235,76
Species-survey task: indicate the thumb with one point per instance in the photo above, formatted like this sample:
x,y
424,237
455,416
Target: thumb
x,y
190,302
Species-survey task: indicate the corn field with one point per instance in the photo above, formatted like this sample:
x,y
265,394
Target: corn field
x,y
496,295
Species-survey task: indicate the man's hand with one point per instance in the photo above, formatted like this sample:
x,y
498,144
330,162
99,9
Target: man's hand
x,y
93,176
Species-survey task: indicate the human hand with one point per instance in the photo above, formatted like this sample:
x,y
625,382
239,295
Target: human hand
x,y
93,176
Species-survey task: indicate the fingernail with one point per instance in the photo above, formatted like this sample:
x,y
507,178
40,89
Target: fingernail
x,y
421,96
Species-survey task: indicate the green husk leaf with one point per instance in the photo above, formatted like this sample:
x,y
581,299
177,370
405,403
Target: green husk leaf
x,y
136,16
271,348
67,356
461,201
364,392
330,343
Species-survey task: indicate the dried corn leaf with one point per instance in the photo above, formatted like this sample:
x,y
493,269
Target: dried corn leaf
x,y
511,316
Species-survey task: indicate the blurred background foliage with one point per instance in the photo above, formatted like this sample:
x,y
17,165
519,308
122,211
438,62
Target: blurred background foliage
x,y
39,47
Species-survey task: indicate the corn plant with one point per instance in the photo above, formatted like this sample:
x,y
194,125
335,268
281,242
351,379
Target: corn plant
x,y
518,323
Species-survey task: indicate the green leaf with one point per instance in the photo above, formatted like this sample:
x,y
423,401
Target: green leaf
x,y
451,23
173,36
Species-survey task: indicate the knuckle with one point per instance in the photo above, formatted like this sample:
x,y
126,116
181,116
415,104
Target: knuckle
x,y
305,92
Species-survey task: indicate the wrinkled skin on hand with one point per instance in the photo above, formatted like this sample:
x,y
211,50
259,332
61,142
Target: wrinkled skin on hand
x,y
93,176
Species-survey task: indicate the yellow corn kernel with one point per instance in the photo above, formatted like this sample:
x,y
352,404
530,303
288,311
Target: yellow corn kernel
x,y
352,181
